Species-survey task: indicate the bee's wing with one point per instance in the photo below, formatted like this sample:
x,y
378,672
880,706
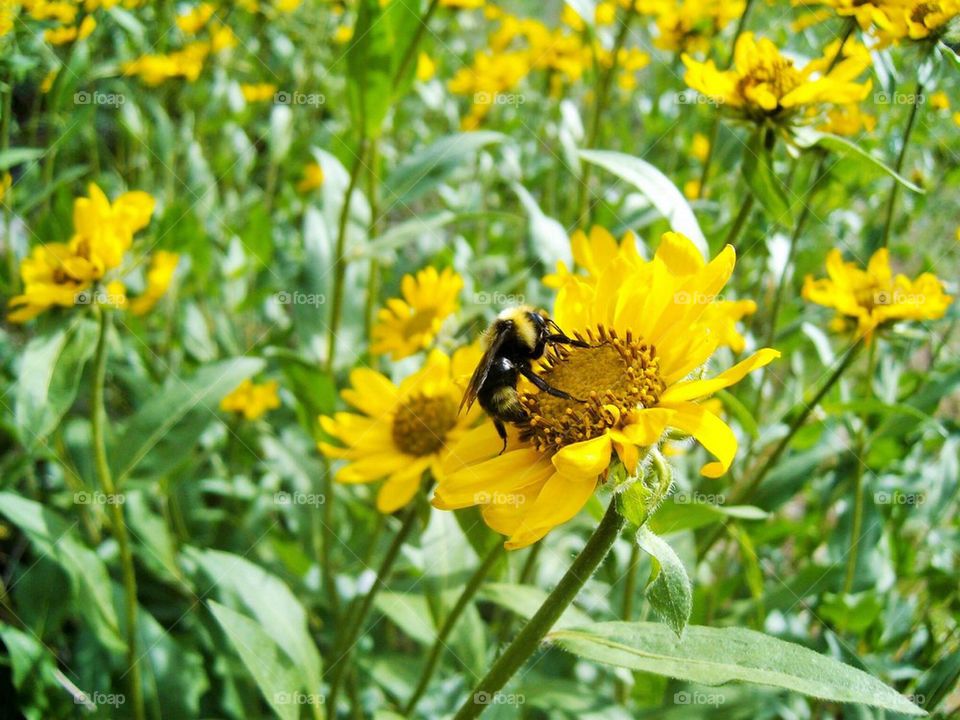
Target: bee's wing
x,y
482,370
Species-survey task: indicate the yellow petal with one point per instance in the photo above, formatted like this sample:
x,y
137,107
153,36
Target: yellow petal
x,y
710,431
693,389
585,459
560,499
401,486
507,473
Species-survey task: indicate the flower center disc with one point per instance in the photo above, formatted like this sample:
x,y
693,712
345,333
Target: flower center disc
x,y
615,372
422,423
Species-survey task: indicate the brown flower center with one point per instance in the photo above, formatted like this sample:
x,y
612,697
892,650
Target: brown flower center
x,y
421,423
620,372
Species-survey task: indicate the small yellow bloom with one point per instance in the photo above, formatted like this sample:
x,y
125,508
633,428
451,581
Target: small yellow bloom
x,y
343,34
408,325
8,12
956,118
312,178
252,400
651,329
701,147
258,92
159,276
426,68
6,182
155,69
64,13
691,189
64,35
940,101
222,38
401,431
287,6
848,120
689,25
874,297
46,283
766,86
463,4
194,20
47,83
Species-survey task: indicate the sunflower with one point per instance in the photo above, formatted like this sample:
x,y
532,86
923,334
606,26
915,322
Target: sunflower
x,y
408,325
874,296
764,85
641,375
402,430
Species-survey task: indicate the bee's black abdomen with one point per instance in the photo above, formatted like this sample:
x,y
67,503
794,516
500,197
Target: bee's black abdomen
x,y
498,394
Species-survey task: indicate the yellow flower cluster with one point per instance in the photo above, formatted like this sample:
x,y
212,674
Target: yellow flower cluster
x,y
252,400
410,324
689,25
258,92
765,85
312,178
188,61
63,274
875,297
892,21
651,328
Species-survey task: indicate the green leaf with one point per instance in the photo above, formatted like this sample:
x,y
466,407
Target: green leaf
x,y
714,656
669,590
655,186
50,372
410,613
634,503
54,538
525,600
158,416
763,182
673,515
17,156
424,169
845,148
270,667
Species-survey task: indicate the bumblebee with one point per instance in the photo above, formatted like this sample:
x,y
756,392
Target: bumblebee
x,y
517,337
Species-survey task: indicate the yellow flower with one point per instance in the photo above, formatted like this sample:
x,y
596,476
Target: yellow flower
x,y
848,120
159,276
426,68
701,147
408,325
64,35
193,21
222,38
155,69
6,182
258,92
940,101
490,75
401,431
8,11
47,83
689,25
651,332
956,118
252,400
312,178
287,6
892,21
764,85
875,297
463,4
64,13
46,283
343,34
691,189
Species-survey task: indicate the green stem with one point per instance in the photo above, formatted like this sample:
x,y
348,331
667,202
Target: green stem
x,y
97,429
411,50
895,189
12,274
734,233
857,522
359,610
526,642
746,494
439,645
373,281
715,127
340,263
326,541
596,123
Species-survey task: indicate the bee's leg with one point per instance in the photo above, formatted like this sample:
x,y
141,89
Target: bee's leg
x,y
562,339
502,432
530,375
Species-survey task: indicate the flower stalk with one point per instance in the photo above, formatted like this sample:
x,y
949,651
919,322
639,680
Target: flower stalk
x,y
473,584
901,156
527,640
97,429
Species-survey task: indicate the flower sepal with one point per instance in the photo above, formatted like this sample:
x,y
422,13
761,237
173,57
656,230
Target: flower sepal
x,y
639,496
